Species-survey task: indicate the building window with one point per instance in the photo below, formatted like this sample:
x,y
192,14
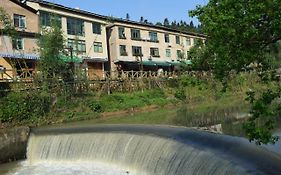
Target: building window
x,y
46,19
79,46
19,21
121,32
136,51
179,54
18,44
75,27
97,28
168,53
98,47
123,51
177,39
154,52
135,34
153,36
167,38
188,41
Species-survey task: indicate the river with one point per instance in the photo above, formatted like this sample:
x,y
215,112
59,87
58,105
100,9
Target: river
x,y
226,122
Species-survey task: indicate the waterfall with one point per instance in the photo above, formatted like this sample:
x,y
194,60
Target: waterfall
x,y
141,154
142,150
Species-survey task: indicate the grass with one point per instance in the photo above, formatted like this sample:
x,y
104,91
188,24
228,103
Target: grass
x,y
160,116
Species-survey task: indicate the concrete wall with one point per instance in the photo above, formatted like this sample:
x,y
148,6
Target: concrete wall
x,y
13,143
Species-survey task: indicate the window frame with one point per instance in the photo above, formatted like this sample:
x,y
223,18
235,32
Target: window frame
x,y
167,38
81,45
123,52
98,47
48,18
170,53
154,52
96,26
188,41
19,21
15,44
121,33
179,54
178,39
139,48
135,34
71,23
153,37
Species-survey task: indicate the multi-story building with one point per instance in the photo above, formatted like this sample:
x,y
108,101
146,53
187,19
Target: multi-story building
x,y
18,55
85,33
135,46
100,42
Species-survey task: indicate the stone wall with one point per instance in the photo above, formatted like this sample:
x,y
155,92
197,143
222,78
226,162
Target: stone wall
x,y
13,143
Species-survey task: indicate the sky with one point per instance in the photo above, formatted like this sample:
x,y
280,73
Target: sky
x,y
152,10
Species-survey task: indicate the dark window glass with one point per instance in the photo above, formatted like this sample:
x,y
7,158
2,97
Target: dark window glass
x,y
154,52
96,28
167,38
136,51
75,27
135,34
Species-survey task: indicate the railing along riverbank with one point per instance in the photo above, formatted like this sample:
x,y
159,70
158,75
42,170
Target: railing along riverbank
x,y
106,81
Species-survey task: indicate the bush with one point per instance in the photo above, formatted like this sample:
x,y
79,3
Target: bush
x,y
180,94
24,106
96,106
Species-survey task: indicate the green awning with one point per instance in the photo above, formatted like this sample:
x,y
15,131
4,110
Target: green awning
x,y
175,63
149,63
156,63
69,59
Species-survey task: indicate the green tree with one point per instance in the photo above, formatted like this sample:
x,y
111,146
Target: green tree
x,y
166,22
7,23
241,33
52,67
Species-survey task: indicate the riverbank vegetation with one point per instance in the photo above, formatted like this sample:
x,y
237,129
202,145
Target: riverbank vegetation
x,y
192,98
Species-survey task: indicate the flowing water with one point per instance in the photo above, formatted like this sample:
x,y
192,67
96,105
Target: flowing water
x,y
150,151
140,150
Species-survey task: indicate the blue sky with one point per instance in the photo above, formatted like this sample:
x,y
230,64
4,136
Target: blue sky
x,y
152,10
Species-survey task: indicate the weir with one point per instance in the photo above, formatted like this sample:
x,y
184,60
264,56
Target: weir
x,y
148,150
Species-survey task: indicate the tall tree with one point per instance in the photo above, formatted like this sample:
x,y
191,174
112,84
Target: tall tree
x,y
159,24
127,16
166,22
51,65
247,27
191,24
240,33
141,19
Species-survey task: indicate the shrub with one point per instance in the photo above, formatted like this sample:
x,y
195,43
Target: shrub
x,y
96,106
24,106
180,94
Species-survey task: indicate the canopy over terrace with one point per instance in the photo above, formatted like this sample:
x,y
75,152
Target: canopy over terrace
x,y
146,64
149,65
17,65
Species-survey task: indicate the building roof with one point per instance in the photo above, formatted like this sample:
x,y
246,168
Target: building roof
x,y
73,10
18,2
110,18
